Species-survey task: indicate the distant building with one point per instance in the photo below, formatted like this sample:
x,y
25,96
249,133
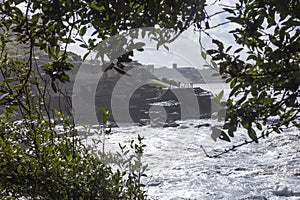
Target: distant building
x,y
187,75
184,75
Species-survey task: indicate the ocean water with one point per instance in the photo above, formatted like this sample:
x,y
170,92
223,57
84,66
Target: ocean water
x,y
179,169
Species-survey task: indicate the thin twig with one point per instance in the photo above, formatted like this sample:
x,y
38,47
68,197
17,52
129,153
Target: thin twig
x,y
234,147
216,26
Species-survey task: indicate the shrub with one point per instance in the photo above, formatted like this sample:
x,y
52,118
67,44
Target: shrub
x,y
40,162
34,164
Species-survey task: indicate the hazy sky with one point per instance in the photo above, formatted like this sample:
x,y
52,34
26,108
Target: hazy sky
x,y
185,50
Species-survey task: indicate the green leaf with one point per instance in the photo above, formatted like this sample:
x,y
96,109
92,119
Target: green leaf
x,y
57,51
19,169
95,7
51,52
138,45
207,25
218,133
229,10
86,55
234,90
214,64
9,80
84,46
224,136
166,47
53,85
64,78
252,57
228,49
238,50
252,134
233,83
259,126
104,118
3,96
56,112
221,94
211,51
215,75
219,44
203,54
35,17
70,158
274,41
82,31
237,20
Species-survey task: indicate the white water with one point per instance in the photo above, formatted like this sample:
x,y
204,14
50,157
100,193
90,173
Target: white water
x,y
179,169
